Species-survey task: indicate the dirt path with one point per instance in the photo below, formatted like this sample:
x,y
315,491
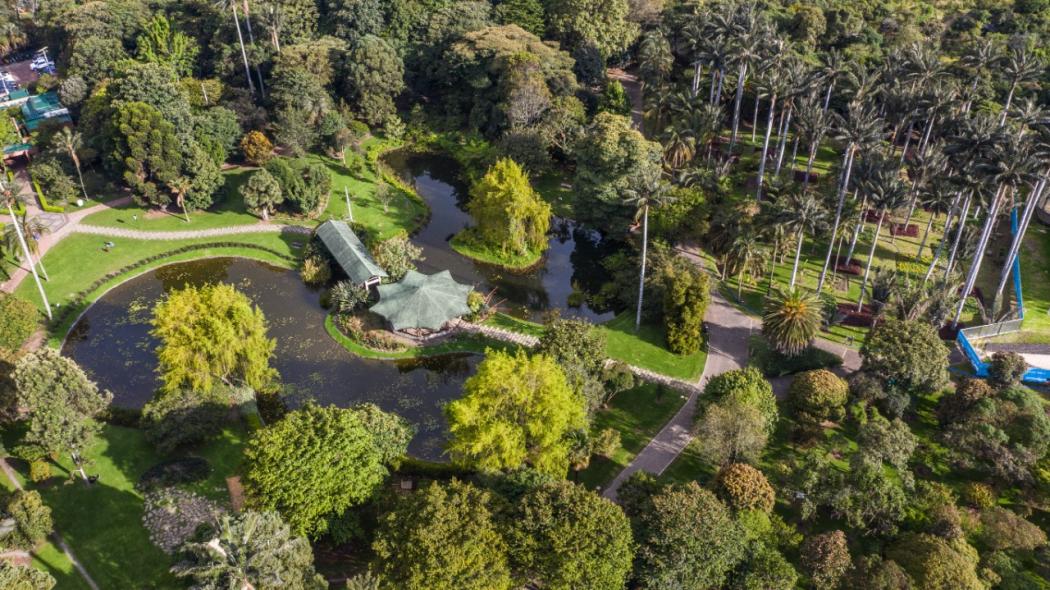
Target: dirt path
x,y
633,86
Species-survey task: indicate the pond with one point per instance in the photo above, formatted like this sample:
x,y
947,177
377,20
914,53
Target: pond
x,y
572,258
112,343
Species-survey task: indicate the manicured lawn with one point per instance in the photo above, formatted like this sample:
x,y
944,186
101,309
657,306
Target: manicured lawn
x,y
647,349
467,246
78,260
508,322
1035,280
227,212
637,414
102,523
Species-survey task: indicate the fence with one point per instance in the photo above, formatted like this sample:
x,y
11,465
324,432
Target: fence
x,y
980,368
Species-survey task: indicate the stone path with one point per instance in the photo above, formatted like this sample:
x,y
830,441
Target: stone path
x,y
57,538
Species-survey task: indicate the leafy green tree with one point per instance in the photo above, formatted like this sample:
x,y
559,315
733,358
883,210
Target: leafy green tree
x,y
444,537
564,536
160,42
32,520
397,256
730,431
602,23
154,84
216,130
95,58
211,334
826,558
744,487
765,569
510,215
516,410
257,148
889,441
686,295
182,417
579,349
201,178
611,160
688,539
391,432
262,193
375,75
62,403
818,396
908,355
316,462
527,14
250,550
935,563
355,19
24,577
875,573
614,99
146,151
1005,530
791,321
748,387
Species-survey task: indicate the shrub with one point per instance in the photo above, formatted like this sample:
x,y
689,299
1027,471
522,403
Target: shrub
x,y
907,355
18,319
954,406
686,294
397,255
476,303
32,519
777,364
935,563
979,495
257,148
745,488
818,396
39,470
826,558
315,270
346,296
1007,369
173,472
182,417
606,442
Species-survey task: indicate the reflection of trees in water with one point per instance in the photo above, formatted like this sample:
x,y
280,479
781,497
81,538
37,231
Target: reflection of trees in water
x,y
197,272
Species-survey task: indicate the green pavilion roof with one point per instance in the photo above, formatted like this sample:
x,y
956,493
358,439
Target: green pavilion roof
x,y
350,252
422,301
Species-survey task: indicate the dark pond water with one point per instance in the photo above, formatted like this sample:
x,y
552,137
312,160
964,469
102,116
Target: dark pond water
x,y
572,257
112,343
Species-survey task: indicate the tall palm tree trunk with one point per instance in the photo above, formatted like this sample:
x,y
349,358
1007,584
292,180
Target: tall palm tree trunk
x,y
978,257
850,152
1009,100
737,103
29,259
783,142
925,235
809,163
641,275
754,117
244,54
958,235
721,81
871,257
695,88
773,263
858,228
1015,245
827,95
765,146
794,153
251,41
798,256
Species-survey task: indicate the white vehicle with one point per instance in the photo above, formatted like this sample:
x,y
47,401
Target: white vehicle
x,y
7,77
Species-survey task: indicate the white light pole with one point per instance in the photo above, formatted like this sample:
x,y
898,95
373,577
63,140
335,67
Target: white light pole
x,y
29,257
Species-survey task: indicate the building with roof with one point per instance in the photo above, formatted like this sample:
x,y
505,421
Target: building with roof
x,y
350,253
422,302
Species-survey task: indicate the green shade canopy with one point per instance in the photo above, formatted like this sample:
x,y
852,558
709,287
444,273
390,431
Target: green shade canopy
x,y
422,301
350,252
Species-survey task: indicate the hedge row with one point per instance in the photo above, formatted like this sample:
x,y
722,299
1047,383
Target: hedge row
x,y
43,201
79,301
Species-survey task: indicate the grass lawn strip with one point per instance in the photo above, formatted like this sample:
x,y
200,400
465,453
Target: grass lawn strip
x,y
470,343
637,414
466,246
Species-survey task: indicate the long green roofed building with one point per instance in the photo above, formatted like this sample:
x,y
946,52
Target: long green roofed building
x,y
420,301
350,252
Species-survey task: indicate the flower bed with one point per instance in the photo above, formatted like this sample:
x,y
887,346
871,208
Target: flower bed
x,y
851,317
909,231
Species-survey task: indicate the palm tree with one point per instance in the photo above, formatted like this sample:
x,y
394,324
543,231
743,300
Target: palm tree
x,y
655,60
273,20
833,67
180,185
938,195
799,212
775,84
791,321
746,256
747,38
223,5
1035,196
70,140
9,199
813,124
982,55
1021,67
859,130
649,192
885,192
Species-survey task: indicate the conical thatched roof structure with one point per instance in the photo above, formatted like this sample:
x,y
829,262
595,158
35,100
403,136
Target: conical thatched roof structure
x,y
421,301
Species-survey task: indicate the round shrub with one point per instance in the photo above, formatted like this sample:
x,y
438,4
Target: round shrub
x,y
907,355
39,470
173,472
257,148
1005,530
826,558
818,396
32,520
1007,369
18,319
934,562
979,495
745,488
315,270
954,406
748,387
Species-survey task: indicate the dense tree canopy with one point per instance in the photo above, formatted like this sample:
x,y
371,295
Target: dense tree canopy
x,y
509,214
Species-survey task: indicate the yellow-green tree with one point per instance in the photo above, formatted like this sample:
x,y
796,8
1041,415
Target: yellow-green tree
x,y
516,410
212,334
510,215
